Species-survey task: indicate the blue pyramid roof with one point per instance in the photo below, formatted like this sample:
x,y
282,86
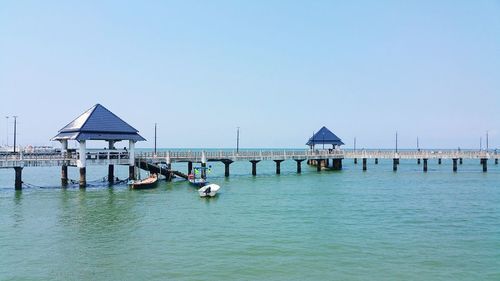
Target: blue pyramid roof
x,y
98,123
324,136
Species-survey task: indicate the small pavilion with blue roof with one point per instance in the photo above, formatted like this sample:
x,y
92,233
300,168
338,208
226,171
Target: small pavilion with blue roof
x,y
324,136
97,123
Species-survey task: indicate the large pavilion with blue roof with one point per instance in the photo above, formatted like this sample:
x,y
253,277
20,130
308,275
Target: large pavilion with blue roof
x,y
97,123
324,136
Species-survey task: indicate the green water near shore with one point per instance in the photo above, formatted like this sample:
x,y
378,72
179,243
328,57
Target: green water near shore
x,y
347,225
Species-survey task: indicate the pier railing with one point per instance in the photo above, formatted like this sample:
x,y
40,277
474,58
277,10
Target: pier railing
x,y
121,157
196,156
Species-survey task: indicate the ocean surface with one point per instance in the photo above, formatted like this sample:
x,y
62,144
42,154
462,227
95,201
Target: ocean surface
x,y
331,225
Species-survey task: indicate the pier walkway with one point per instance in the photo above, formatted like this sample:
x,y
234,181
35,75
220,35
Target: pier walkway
x,y
121,157
321,159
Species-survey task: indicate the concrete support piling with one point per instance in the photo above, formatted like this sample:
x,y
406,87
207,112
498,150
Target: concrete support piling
x,y
131,160
226,162
278,166
425,165
83,177
319,163
418,161
364,164
355,160
337,164
496,161
18,183
376,161
82,164
439,161
455,164
131,172
395,162
64,175
485,164
204,171
299,165
111,174
190,167
254,166
461,161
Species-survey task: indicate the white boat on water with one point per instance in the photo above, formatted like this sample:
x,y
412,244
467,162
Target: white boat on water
x,y
209,190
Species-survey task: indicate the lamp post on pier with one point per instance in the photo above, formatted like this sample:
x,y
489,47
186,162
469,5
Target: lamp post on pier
x,y
396,141
237,139
487,141
15,128
7,130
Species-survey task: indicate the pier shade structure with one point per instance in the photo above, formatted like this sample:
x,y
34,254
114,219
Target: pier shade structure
x,y
324,137
98,124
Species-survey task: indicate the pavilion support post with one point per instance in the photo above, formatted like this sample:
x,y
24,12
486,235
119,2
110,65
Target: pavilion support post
x,y
364,164
425,164
111,168
203,165
131,172
418,161
204,170
131,160
18,183
278,166
190,167
64,175
485,164
169,167
299,165
82,164
226,162
254,166
455,168
376,161
337,164
439,161
461,161
64,167
83,177
111,173
395,162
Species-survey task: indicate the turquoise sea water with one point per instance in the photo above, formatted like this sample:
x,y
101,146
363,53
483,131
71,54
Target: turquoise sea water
x,y
347,225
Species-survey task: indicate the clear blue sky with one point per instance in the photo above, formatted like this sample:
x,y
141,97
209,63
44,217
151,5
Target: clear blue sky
x,y
278,69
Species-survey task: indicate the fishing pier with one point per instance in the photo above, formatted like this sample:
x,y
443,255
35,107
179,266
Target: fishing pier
x,y
99,124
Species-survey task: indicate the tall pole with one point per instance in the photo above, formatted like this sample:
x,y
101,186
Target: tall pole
x,y
396,141
7,130
15,128
237,139
354,144
155,138
487,144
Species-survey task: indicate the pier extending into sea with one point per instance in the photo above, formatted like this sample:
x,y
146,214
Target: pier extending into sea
x,y
321,159
100,124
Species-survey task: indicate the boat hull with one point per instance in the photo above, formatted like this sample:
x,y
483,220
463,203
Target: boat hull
x,y
209,190
148,183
